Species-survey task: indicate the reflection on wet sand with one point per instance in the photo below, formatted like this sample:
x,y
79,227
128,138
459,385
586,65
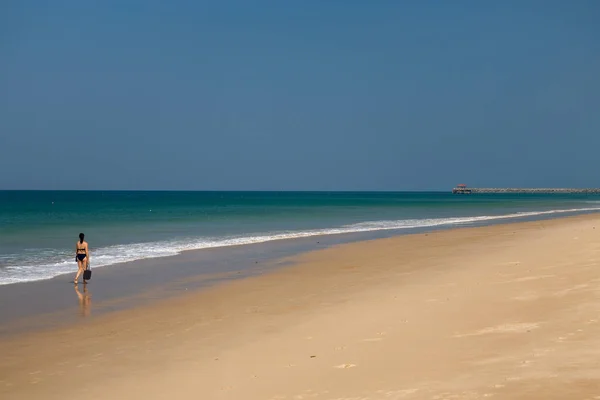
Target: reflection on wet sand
x,y
85,300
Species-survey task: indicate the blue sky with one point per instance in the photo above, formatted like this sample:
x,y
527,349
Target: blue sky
x,y
305,95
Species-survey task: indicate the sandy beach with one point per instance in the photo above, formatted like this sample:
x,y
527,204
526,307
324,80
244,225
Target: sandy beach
x,y
506,311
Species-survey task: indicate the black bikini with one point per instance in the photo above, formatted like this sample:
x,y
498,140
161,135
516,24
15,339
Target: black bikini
x,y
81,257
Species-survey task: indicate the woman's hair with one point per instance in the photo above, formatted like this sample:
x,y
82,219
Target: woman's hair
x,y
81,236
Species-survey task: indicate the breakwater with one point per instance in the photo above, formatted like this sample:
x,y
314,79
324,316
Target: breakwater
x,y
465,190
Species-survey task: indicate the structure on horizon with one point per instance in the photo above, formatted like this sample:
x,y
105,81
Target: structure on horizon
x,y
463,189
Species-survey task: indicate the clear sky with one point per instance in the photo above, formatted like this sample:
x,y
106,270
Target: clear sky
x,y
299,95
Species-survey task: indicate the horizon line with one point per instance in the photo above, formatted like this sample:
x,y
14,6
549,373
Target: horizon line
x,y
301,190
220,190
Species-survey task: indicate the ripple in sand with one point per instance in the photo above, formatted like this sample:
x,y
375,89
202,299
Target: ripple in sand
x,y
527,297
533,278
493,360
527,278
575,288
466,395
396,394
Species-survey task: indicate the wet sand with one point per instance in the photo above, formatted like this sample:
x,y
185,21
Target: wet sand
x,y
506,311
52,302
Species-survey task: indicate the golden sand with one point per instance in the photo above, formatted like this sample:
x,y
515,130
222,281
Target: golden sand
x,y
502,312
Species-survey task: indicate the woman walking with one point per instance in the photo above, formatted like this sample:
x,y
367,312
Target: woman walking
x,y
82,255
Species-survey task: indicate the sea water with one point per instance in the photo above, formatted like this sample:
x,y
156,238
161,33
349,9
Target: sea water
x,y
38,229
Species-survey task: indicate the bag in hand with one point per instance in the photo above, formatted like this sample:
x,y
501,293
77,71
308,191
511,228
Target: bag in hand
x,y
87,274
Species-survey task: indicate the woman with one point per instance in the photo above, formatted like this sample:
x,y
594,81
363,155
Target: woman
x,y
82,256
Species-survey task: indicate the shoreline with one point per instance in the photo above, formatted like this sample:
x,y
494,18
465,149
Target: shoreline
x,y
506,310
365,229
132,284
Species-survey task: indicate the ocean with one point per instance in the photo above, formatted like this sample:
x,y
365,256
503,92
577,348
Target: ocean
x,y
38,229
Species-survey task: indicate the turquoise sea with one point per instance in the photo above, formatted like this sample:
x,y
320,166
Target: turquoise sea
x,y
38,229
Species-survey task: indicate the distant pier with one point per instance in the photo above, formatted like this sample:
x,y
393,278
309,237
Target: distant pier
x,y
463,189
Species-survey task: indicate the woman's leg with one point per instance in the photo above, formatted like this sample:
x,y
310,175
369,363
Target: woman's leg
x,y
80,265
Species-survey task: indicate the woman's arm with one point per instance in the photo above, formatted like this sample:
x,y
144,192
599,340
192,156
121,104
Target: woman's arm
x,y
87,253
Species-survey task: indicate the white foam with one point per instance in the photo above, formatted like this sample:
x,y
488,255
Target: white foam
x,y
131,252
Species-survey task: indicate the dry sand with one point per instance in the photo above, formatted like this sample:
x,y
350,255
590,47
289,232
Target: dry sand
x,y
506,312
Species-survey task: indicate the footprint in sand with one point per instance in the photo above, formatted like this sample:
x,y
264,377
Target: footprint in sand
x,y
525,363
345,366
509,263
